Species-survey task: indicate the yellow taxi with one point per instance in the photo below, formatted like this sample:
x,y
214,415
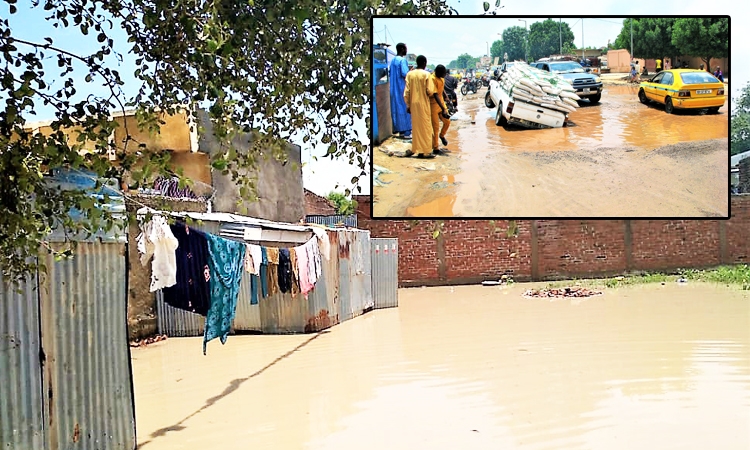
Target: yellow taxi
x,y
683,89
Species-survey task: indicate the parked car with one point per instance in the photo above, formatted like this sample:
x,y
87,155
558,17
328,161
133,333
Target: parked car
x,y
683,89
587,85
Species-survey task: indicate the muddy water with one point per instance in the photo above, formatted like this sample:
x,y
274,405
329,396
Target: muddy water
x,y
618,158
654,366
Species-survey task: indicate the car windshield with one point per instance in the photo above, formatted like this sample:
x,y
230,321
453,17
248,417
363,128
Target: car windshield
x,y
698,78
566,67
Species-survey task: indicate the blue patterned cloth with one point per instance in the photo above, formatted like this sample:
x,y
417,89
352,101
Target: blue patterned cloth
x,y
226,264
254,280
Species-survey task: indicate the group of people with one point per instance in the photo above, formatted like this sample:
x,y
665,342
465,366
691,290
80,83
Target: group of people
x,y
420,103
634,69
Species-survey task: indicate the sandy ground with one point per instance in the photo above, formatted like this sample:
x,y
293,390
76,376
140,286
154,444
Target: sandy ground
x,y
468,367
617,159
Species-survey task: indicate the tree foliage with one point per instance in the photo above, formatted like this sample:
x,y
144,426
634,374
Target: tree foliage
x,y
466,61
739,136
344,205
544,38
497,49
257,66
705,37
514,40
655,38
659,37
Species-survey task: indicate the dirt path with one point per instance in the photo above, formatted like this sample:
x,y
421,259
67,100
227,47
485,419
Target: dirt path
x,y
617,159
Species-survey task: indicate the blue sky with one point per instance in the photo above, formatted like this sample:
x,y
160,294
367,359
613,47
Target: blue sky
x,y
441,40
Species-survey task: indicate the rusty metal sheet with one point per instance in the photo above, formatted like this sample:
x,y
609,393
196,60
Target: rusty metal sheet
x,y
87,381
21,399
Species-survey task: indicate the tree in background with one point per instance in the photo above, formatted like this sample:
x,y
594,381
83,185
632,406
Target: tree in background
x,y
496,50
658,37
569,48
739,135
514,41
623,39
544,38
260,67
705,37
344,205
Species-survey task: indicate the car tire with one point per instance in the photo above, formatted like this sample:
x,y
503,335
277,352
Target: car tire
x,y
595,98
642,97
464,89
500,120
488,100
714,110
668,106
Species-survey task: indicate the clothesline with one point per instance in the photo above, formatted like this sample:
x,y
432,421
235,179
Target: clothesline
x,y
201,272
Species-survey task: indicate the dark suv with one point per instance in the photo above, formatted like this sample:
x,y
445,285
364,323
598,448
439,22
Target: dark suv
x,y
587,85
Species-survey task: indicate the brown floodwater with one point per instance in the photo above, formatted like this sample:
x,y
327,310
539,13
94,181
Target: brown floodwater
x,y
618,158
468,367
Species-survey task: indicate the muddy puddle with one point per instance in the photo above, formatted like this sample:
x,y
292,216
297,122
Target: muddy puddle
x,y
619,158
469,367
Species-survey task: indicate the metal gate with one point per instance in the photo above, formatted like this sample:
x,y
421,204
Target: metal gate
x,y
385,272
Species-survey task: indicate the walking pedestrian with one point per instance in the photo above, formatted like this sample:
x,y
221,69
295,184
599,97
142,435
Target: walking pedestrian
x,y
438,109
418,105
398,70
451,84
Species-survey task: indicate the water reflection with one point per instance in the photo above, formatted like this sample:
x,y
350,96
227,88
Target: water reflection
x,y
468,367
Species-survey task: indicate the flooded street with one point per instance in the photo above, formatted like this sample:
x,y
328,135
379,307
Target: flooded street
x,y
468,367
618,158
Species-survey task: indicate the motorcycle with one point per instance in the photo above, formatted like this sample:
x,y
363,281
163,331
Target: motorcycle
x,y
470,85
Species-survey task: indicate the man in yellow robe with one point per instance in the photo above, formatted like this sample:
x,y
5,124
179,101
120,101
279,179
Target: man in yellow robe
x,y
418,105
438,108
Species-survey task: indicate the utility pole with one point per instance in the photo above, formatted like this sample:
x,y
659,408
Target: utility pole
x,y
583,44
631,39
560,36
526,41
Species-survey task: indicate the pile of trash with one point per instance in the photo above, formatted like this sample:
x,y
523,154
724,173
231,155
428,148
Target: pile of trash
x,y
148,341
561,293
546,89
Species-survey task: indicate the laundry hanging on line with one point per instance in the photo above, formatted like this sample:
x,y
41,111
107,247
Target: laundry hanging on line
x,y
201,272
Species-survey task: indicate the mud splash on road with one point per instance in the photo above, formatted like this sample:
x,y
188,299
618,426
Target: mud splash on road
x,y
474,367
606,164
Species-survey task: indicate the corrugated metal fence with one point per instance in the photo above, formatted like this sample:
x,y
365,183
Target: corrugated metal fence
x,y
385,272
344,291
64,355
332,221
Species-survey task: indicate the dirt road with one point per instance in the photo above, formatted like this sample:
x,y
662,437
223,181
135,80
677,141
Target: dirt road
x,y
618,158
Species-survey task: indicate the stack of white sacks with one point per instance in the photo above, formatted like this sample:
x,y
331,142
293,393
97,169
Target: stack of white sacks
x,y
532,85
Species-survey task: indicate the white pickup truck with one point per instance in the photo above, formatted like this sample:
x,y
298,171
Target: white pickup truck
x,y
521,113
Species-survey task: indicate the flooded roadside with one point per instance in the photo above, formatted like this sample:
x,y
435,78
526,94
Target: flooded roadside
x,y
648,366
619,158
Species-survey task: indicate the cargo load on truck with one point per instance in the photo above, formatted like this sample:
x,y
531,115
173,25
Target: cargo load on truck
x,y
539,87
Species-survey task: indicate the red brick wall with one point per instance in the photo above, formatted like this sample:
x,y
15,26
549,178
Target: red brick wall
x,y
738,231
466,251
483,249
580,247
661,245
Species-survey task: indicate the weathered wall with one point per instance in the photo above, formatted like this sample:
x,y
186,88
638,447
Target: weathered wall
x,y
468,251
141,302
383,102
279,188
